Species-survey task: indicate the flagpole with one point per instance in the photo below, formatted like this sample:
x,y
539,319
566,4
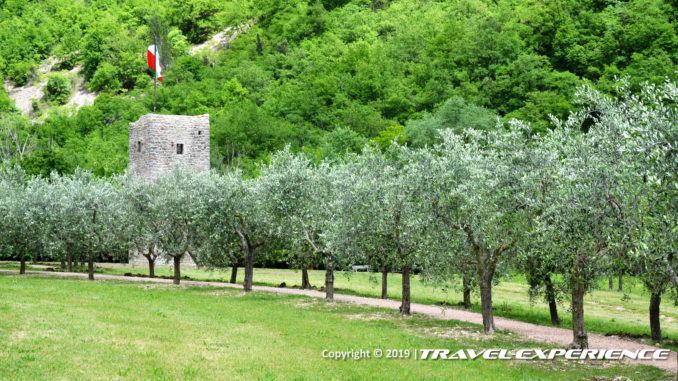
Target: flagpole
x,y
155,72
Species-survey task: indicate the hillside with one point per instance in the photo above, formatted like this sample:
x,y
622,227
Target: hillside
x,y
323,76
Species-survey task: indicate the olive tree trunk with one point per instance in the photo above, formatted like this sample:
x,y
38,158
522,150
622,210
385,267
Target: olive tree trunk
x,y
621,280
305,283
611,283
249,269
580,338
486,265
248,247
90,265
177,269
329,280
551,298
466,284
486,303
151,267
234,273
655,327
405,305
384,282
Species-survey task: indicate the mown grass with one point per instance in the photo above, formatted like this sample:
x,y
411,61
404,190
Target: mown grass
x,y
76,329
606,312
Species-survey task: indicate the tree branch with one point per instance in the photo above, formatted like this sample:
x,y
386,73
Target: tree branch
x,y
313,246
672,273
600,254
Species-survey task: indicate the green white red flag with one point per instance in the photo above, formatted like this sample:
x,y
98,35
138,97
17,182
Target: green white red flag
x,y
154,61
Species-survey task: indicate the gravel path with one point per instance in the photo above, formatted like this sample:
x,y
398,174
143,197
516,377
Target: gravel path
x,y
552,335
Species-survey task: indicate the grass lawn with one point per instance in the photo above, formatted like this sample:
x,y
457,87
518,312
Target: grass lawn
x,y
76,329
607,312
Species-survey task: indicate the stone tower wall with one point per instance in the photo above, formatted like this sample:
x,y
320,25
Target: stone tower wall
x,y
159,136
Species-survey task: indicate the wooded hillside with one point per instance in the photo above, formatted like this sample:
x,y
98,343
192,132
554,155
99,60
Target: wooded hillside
x,y
323,76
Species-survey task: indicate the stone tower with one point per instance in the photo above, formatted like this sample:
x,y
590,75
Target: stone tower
x,y
157,142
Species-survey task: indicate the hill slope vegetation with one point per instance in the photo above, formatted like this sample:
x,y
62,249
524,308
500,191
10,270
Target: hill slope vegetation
x,y
324,76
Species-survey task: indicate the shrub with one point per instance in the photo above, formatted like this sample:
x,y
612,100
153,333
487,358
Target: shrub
x,y
105,78
5,102
58,89
21,72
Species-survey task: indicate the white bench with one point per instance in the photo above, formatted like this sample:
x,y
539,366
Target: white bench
x,y
361,268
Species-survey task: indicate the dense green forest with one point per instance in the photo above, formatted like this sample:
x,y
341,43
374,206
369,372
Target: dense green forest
x,y
324,76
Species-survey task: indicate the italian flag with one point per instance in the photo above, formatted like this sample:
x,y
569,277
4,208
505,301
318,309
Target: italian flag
x,y
154,61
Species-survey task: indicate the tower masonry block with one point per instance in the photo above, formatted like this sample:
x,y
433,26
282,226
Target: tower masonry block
x,y
159,142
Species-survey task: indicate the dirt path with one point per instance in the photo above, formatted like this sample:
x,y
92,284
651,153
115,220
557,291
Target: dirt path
x,y
552,335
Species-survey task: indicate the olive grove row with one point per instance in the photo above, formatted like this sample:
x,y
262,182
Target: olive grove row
x,y
596,191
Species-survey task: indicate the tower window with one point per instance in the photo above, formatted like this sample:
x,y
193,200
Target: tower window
x,y
180,149
199,132
139,146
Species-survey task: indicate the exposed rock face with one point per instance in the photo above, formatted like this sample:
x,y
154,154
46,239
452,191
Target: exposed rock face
x,y
159,142
23,96
221,40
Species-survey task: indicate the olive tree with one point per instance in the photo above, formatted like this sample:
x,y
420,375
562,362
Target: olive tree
x,y
84,214
177,214
478,194
595,202
12,184
289,181
354,231
63,231
139,218
534,255
643,129
22,214
579,223
380,206
230,215
651,119
251,223
217,244
301,200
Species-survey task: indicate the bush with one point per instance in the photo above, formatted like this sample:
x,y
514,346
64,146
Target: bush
x,y
5,102
58,89
21,72
105,78
341,140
